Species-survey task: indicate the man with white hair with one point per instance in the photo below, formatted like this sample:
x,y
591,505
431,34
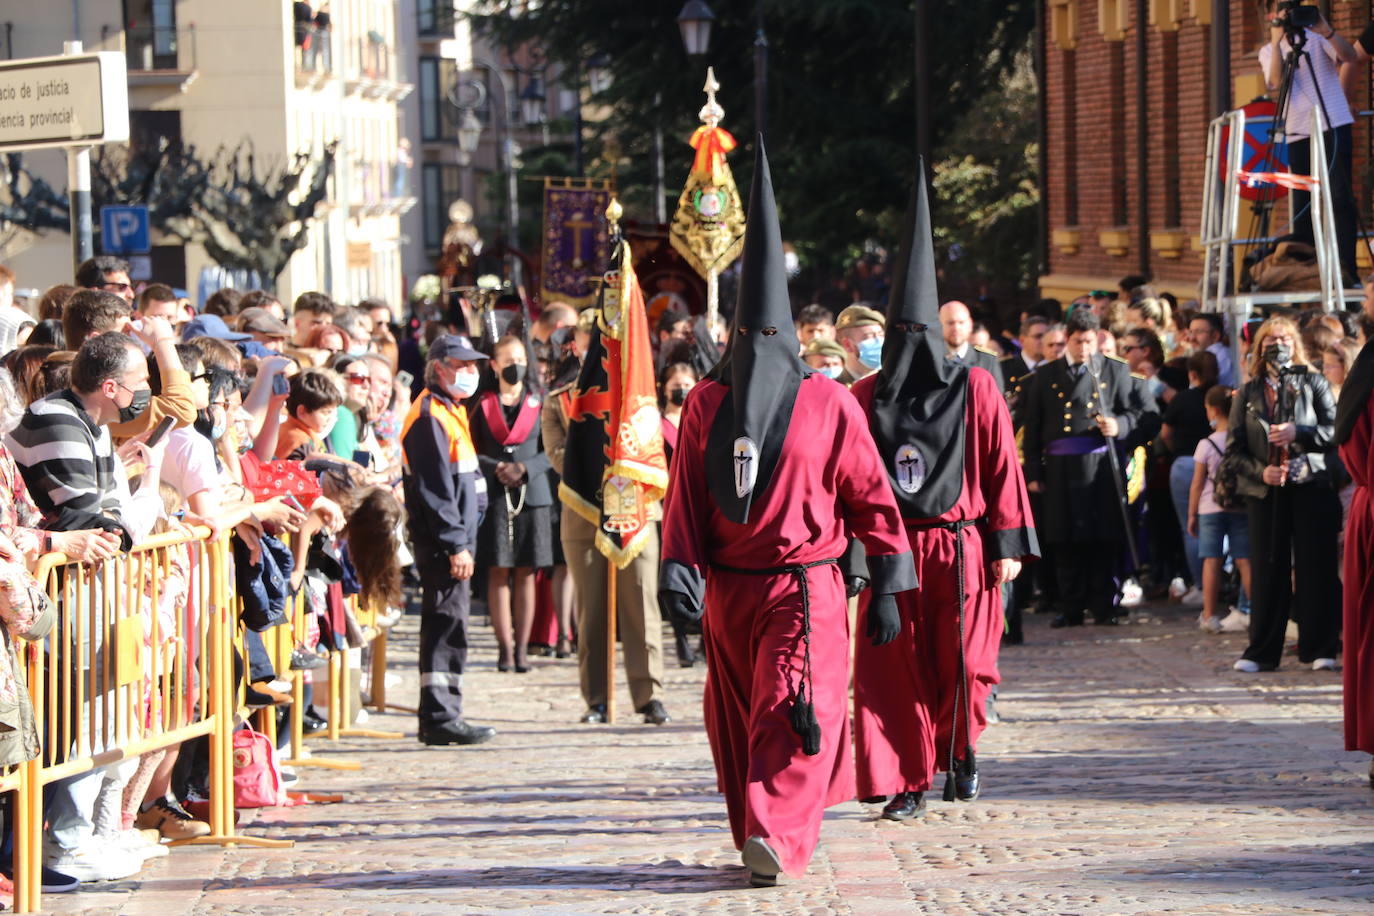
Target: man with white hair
x,y
957,323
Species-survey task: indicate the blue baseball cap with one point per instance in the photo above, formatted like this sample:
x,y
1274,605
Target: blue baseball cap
x,y
210,326
453,346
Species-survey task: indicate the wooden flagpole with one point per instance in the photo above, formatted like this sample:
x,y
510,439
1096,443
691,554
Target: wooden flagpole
x,y
611,604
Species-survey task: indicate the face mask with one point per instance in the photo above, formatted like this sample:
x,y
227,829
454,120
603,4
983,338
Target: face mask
x,y
356,351
831,372
513,374
678,396
1278,354
136,406
1155,386
217,432
871,352
463,385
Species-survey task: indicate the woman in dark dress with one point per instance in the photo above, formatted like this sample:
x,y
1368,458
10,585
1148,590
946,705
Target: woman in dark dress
x,y
515,537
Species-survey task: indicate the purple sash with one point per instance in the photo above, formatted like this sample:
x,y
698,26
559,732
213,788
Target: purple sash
x,y
1076,445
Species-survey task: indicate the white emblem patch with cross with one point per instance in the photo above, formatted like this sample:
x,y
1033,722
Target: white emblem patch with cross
x,y
911,469
746,455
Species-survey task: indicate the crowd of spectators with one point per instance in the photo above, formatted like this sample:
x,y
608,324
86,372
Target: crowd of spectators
x,y
293,431
1194,550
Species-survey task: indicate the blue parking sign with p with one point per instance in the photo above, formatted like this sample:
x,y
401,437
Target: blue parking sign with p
x,y
124,230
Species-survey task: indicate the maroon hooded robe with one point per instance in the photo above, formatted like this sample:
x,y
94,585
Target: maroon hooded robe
x,y
1357,452
904,691
828,479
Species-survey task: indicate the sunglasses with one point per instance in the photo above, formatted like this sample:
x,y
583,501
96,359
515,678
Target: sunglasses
x,y
358,379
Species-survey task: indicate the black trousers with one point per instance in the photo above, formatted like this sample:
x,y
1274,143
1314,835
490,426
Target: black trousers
x,y
444,607
1293,558
1339,144
1085,573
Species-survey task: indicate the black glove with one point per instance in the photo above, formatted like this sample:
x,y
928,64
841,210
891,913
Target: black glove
x,y
675,606
853,585
884,621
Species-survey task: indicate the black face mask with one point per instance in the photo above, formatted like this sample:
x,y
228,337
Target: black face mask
x,y
1278,354
136,407
678,396
513,374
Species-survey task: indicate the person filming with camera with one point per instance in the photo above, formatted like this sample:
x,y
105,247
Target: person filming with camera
x,y
1299,36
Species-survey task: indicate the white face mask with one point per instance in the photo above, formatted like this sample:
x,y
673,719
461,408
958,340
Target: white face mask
x,y
463,385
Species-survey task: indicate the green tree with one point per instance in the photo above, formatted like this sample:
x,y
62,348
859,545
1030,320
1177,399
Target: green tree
x,y
986,193
841,111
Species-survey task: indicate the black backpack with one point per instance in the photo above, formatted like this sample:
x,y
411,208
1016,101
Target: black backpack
x,y
1226,481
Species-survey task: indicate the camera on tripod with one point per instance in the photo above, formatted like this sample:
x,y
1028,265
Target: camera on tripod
x,y
1300,16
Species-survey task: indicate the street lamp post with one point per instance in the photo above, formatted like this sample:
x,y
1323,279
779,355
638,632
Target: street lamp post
x,y
695,20
508,164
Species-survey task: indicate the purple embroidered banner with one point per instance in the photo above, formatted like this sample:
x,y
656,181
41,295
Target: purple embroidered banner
x,y
576,243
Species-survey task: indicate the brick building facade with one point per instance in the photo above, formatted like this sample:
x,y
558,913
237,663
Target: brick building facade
x,y
1093,170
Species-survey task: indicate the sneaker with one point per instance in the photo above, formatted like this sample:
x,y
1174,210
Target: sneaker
x,y
96,861
171,821
1208,624
302,659
1235,622
1191,598
54,882
134,842
1244,664
1131,593
1177,588
1324,664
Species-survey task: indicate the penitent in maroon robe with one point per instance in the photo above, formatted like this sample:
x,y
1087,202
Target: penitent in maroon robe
x,y
828,479
1357,453
904,692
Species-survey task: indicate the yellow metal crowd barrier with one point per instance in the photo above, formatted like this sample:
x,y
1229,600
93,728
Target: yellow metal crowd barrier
x,y
141,659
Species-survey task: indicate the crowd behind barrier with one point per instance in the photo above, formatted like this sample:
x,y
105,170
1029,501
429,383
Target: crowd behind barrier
x,y
220,595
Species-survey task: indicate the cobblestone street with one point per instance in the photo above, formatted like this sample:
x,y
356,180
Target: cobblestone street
x,y
1133,773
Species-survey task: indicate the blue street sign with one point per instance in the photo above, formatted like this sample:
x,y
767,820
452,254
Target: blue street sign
x,y
124,230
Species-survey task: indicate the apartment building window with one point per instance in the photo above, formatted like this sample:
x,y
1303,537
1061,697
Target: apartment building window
x,y
441,185
438,119
435,17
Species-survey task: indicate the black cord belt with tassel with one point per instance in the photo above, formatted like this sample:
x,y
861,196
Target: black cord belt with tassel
x,y
961,691
802,696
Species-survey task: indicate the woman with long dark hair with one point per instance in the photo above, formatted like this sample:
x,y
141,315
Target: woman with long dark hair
x,y
1282,429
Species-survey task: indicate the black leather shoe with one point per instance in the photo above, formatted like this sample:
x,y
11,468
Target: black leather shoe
x,y
654,713
904,806
456,731
1064,620
966,784
873,800
763,863
1111,621
595,714
312,724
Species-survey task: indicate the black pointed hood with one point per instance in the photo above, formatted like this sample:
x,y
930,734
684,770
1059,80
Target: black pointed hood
x,y
760,365
918,412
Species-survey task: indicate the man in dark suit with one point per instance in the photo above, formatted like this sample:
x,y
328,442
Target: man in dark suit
x,y
957,323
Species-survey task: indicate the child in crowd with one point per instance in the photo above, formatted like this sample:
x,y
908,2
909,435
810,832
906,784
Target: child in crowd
x,y
312,408
1216,528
